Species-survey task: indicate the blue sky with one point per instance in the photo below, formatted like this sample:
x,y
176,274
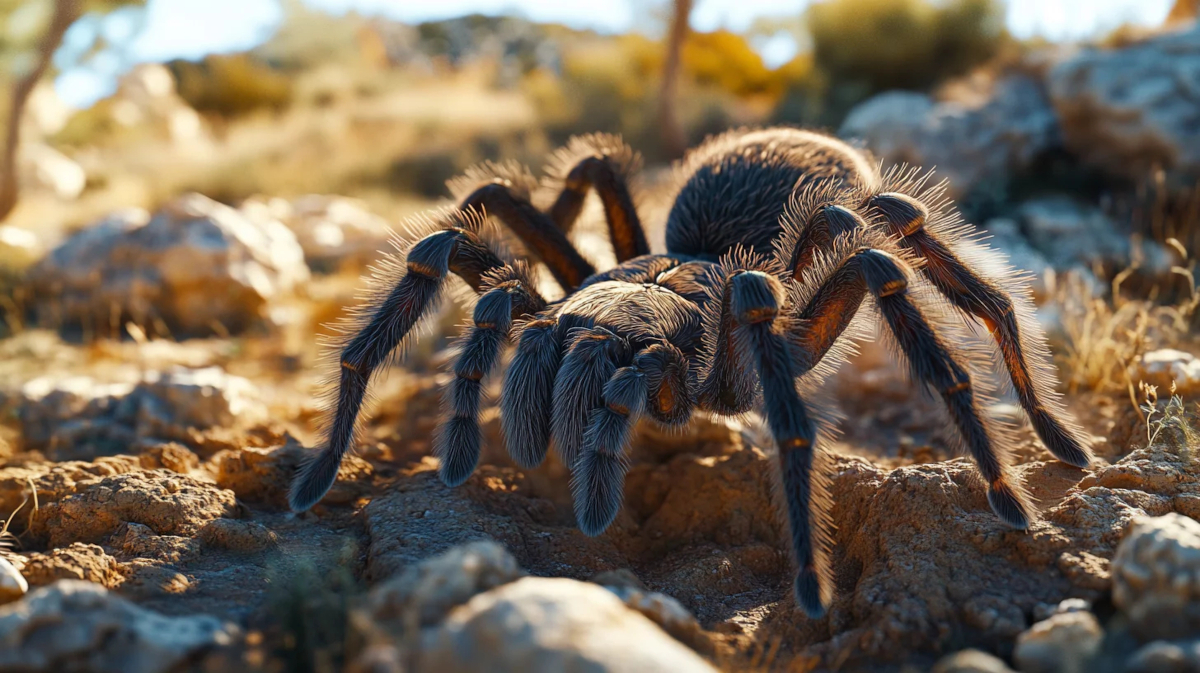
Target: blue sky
x,y
192,28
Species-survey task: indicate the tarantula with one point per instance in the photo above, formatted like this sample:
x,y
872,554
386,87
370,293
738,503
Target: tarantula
x,y
775,238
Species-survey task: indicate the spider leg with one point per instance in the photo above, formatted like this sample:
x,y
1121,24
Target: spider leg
x,y
535,230
601,162
655,383
591,360
820,323
755,302
725,386
457,438
527,396
826,223
979,297
455,248
929,359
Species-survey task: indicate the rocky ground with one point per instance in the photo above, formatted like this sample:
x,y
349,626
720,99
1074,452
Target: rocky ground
x,y
169,494
160,538
164,389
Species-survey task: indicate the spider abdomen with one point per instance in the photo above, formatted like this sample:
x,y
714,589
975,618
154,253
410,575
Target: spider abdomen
x,y
733,189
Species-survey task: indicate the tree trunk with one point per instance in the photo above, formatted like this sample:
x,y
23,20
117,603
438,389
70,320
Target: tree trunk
x,y
65,13
674,142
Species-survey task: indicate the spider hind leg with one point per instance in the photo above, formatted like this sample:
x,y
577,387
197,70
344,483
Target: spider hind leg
x,y
606,164
976,296
932,362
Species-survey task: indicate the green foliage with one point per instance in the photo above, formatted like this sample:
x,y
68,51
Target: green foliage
x,y
726,60
426,173
23,26
308,39
606,85
230,85
307,608
612,85
454,39
864,47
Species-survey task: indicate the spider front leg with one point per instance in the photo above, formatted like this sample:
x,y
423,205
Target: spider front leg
x,y
598,478
457,438
527,396
819,324
389,318
753,303
979,297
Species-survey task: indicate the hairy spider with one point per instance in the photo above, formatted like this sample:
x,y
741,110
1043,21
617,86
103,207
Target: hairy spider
x,y
775,238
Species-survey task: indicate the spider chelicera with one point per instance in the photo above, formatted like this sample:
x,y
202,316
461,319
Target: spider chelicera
x,y
775,239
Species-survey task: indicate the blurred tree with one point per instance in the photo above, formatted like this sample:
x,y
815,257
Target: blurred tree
x,y
615,84
674,141
27,66
308,38
867,46
227,85
33,30
1183,10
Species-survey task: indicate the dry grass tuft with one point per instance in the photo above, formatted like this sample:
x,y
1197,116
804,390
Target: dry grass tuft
x,y
8,539
1106,337
1171,417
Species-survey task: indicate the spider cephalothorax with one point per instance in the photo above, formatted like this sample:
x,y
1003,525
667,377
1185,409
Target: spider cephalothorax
x,y
775,239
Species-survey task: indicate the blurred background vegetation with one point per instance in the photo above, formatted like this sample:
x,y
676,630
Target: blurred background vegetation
x,y
387,111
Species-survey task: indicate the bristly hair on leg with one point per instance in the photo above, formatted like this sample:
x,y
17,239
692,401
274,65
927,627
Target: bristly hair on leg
x,y
726,383
982,286
805,214
605,165
669,383
527,395
625,162
512,174
917,335
757,303
747,335
458,438
859,330
400,291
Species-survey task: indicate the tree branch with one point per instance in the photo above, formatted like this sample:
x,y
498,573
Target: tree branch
x,y
674,141
65,13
